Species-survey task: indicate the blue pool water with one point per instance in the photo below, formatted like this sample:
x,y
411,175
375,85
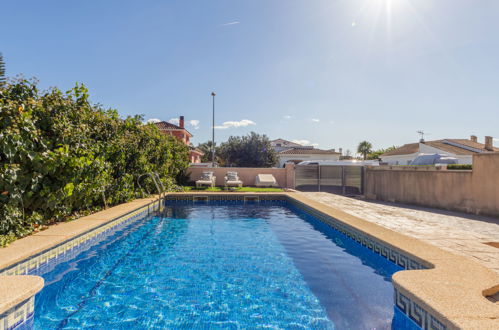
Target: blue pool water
x,y
213,266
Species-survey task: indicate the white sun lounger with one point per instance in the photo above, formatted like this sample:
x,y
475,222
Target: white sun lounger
x,y
265,180
233,180
207,179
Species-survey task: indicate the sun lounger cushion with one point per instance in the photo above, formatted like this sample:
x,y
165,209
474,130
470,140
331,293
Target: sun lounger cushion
x,y
267,180
206,176
232,176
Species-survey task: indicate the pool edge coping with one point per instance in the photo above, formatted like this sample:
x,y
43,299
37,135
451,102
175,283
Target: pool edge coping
x,y
438,290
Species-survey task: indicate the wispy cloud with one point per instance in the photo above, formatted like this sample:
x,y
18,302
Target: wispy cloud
x,y
194,123
230,23
153,120
305,143
241,123
174,121
287,117
315,120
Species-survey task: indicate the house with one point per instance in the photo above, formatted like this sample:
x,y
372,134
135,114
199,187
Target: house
x,y
462,149
288,151
281,145
183,135
297,155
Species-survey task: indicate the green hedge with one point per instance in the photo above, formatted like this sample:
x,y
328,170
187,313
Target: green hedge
x,y
58,153
459,167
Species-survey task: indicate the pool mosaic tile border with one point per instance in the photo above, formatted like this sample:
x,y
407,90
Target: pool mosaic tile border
x,y
45,261
18,317
416,313
225,198
373,244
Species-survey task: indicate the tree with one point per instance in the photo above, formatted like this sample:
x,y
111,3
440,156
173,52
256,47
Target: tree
x,y
61,156
364,148
206,149
375,154
252,150
2,71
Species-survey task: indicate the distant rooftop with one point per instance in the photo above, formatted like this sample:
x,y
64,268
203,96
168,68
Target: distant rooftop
x,y
454,146
166,126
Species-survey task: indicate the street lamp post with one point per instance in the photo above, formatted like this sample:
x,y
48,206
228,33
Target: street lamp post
x,y
213,133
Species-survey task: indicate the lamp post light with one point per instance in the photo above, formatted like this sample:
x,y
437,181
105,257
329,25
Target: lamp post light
x,y
213,133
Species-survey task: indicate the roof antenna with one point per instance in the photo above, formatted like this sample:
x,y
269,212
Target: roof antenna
x,y
422,133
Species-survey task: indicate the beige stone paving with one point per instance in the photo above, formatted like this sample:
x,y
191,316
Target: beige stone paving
x,y
459,233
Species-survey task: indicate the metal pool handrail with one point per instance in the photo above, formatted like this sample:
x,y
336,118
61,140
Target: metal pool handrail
x,y
153,176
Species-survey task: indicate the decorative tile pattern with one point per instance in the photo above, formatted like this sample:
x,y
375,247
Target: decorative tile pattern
x,y
416,313
21,316
18,317
45,261
372,243
225,198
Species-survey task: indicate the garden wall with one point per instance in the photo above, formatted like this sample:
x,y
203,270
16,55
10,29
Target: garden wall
x,y
284,176
473,191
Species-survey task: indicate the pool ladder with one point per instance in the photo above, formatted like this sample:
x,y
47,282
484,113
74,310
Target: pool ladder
x,y
159,187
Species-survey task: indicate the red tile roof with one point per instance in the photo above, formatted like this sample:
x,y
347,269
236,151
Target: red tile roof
x,y
471,144
454,146
406,149
166,126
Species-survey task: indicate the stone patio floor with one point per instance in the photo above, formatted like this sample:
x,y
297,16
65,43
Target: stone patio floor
x,y
460,233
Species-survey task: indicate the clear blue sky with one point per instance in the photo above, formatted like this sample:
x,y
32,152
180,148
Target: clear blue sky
x,y
330,72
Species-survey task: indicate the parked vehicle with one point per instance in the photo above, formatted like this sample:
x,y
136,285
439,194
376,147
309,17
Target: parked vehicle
x,y
353,162
433,159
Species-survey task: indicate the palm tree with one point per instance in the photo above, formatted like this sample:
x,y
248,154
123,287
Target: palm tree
x,y
2,71
364,148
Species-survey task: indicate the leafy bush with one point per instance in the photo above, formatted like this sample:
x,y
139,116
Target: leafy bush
x,y
59,155
252,150
459,167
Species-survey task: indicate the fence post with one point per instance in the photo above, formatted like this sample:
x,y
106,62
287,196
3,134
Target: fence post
x,y
362,178
319,178
343,187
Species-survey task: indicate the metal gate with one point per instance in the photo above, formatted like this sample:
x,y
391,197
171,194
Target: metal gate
x,y
337,179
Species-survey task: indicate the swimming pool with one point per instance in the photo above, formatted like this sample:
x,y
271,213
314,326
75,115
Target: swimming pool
x,y
222,265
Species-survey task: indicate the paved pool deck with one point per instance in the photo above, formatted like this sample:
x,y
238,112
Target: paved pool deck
x,y
459,233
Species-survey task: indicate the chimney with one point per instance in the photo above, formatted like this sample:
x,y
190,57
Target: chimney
x,y
488,143
340,150
333,150
473,138
181,122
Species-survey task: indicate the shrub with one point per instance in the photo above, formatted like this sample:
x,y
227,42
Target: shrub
x,y
252,150
459,167
59,155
